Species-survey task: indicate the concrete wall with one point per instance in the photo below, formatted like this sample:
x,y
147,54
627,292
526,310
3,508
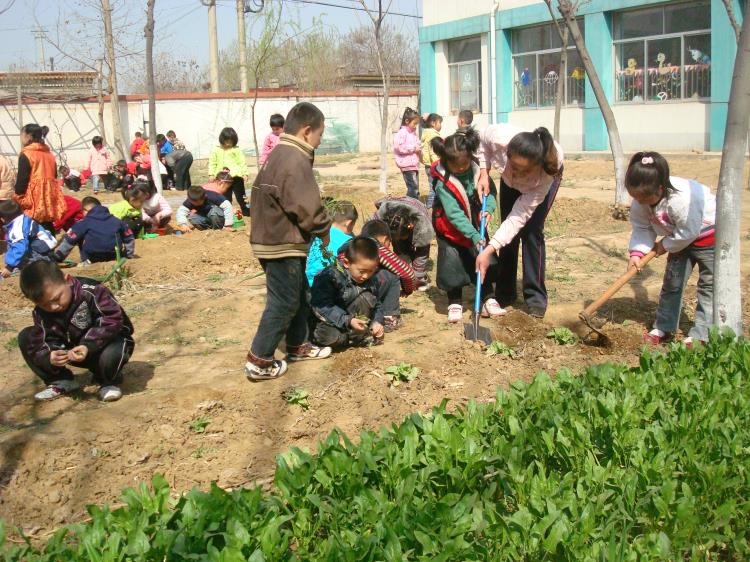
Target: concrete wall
x,y
352,122
571,124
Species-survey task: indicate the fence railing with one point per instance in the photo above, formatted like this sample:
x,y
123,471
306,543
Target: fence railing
x,y
664,83
543,91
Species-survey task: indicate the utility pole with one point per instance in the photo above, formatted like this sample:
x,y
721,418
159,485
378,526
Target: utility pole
x,y
242,45
149,33
40,59
213,46
114,95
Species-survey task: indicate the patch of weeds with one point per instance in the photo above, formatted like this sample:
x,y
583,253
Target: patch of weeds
x,y
615,251
563,276
598,266
296,395
99,453
201,451
403,372
556,226
199,424
216,278
562,336
11,344
4,428
136,310
627,322
501,349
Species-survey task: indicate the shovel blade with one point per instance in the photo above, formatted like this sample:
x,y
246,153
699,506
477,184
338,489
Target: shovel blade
x,y
601,337
475,332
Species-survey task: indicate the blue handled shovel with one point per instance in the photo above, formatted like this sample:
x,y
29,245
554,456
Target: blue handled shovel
x,y
474,331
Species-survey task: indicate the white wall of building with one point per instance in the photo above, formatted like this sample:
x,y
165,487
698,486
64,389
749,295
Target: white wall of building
x,y
440,11
668,126
352,122
571,124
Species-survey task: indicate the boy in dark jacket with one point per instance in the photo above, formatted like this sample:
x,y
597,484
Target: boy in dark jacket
x,y
77,322
286,212
96,235
347,299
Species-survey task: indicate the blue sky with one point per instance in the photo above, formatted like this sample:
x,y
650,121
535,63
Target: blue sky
x,y
181,25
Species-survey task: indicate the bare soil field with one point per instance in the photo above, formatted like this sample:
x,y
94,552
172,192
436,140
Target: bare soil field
x,y
189,413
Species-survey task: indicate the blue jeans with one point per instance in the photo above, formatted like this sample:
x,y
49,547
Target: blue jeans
x,y
679,267
214,220
431,189
412,183
287,310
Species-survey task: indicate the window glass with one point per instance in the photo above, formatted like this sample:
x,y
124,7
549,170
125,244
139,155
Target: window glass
x,y
531,39
687,17
525,73
455,89
664,76
548,67
697,70
576,78
465,50
639,23
469,84
630,77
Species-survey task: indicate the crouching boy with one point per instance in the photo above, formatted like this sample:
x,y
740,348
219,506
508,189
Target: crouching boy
x,y
346,298
77,322
204,210
26,239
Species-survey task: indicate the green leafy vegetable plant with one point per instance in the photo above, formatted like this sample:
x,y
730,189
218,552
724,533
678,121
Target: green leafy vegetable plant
x,y
501,349
562,336
296,395
403,372
199,424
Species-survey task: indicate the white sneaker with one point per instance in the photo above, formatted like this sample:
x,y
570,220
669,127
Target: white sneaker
x,y
492,309
255,373
455,313
309,351
57,389
110,393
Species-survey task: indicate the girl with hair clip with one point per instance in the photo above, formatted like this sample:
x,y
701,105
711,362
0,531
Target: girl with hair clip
x,y
530,165
36,189
456,216
682,211
407,149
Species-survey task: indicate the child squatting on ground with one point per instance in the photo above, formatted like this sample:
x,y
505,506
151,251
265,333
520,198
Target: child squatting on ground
x,y
97,235
682,211
27,240
347,301
204,210
285,214
77,323
345,216
457,215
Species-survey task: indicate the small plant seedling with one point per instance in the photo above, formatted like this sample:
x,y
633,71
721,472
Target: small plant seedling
x,y
403,372
199,425
201,451
362,317
563,336
296,395
216,278
11,344
499,348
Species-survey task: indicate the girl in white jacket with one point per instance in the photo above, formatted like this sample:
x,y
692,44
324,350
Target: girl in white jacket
x,y
682,212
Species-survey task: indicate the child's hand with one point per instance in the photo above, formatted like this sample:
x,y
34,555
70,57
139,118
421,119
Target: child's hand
x,y
660,249
483,183
358,325
58,358
377,330
5,272
635,262
483,261
78,353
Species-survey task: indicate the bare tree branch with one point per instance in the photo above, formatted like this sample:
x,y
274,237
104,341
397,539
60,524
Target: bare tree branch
x,y
732,18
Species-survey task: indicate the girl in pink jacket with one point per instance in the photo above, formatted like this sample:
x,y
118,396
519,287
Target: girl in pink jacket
x,y
530,165
277,127
407,149
99,163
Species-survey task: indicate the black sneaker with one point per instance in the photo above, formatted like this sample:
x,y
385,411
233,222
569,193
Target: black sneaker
x,y
537,311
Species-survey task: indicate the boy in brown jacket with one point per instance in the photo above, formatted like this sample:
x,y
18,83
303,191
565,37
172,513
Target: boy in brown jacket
x,y
285,214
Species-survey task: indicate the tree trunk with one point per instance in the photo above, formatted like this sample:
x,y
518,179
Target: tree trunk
x,y
615,144
727,286
560,94
100,101
114,100
149,32
242,45
255,133
385,75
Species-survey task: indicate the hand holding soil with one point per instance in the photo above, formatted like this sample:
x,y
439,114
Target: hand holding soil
x,y
59,358
78,353
358,325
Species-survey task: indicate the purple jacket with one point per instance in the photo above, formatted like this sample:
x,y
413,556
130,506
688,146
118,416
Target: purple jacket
x,y
94,318
407,148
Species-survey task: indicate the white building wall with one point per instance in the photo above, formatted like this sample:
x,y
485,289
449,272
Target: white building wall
x,y
668,126
571,124
352,123
440,11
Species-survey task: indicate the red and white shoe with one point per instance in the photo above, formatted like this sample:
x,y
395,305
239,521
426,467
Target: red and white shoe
x,y
492,309
657,337
455,313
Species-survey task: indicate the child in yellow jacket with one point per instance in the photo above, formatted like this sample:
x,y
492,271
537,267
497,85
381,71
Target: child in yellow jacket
x,y
431,126
228,156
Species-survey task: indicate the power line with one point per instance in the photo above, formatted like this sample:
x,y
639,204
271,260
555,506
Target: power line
x,y
355,8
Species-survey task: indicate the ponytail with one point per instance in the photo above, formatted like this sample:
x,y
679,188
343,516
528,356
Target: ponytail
x,y
429,120
409,115
37,133
537,146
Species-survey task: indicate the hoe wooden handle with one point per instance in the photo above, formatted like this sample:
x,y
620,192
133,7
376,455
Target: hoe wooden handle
x,y
616,286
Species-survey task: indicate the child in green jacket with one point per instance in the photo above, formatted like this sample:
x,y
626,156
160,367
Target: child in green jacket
x,y
228,156
129,209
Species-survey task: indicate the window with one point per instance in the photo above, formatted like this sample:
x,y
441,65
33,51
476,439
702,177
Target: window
x,y
465,67
537,72
664,53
